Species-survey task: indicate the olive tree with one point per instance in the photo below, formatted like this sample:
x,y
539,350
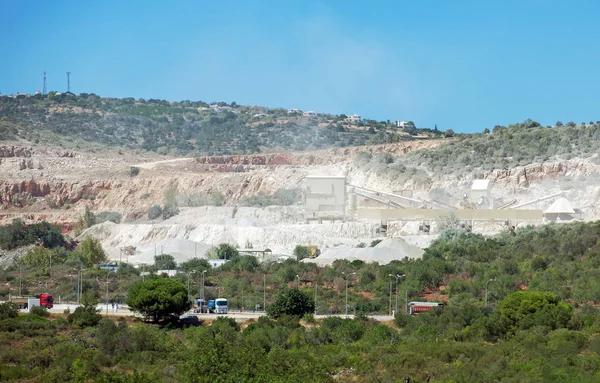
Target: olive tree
x,y
291,302
159,298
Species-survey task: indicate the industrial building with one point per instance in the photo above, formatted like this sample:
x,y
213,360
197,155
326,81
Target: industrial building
x,y
332,198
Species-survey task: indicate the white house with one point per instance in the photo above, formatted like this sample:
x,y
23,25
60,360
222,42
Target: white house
x,y
294,111
401,124
310,113
355,118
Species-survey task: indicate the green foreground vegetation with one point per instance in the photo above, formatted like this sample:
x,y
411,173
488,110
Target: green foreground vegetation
x,y
541,323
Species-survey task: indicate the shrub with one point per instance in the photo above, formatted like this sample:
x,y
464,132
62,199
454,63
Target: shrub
x,y
154,212
40,311
301,252
134,171
86,315
8,310
111,216
291,302
169,210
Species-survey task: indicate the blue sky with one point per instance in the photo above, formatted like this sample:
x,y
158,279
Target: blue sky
x,y
464,65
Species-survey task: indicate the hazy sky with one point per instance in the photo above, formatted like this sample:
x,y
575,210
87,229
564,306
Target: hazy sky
x,y
465,65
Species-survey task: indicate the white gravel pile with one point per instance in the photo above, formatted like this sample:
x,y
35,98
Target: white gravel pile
x,y
385,252
180,249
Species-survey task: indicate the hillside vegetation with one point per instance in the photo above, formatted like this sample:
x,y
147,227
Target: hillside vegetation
x,y
541,323
504,148
181,128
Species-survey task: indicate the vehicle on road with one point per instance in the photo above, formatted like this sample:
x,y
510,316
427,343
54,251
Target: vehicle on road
x,y
200,306
421,307
26,303
221,306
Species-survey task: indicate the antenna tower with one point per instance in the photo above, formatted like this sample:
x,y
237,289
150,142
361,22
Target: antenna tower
x,y
44,88
68,81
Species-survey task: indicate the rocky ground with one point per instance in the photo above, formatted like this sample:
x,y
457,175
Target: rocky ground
x,y
45,183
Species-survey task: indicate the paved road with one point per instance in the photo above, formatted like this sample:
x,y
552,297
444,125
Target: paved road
x,y
239,316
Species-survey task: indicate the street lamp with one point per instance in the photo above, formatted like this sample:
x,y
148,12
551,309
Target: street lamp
x,y
486,290
188,283
398,277
202,295
347,275
390,297
297,276
107,272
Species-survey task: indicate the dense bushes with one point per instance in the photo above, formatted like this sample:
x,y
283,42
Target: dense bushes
x,y
292,302
17,234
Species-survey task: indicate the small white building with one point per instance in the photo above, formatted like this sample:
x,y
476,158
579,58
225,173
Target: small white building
x,y
481,194
310,113
354,119
401,124
217,262
324,197
294,111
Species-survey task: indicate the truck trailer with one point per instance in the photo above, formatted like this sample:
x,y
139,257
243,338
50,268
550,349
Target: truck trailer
x,y
26,303
421,307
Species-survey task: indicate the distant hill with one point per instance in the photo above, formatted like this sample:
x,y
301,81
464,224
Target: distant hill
x,y
505,147
182,128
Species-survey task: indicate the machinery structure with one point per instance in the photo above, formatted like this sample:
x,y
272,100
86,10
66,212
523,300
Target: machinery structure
x,y
332,198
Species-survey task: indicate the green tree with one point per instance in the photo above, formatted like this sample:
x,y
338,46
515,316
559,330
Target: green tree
x,y
291,302
158,298
223,251
526,309
198,264
301,252
90,251
89,218
164,262
87,314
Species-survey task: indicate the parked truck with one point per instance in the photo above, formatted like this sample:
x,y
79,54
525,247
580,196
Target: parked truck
x,y
421,307
200,306
221,306
26,303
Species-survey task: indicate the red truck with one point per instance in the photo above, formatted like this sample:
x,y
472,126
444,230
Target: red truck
x,y
44,300
421,307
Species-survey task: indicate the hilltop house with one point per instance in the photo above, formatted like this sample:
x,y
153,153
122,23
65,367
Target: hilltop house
x,y
354,119
310,113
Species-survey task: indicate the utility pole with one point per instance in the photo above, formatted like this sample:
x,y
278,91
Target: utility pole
x,y
265,292
107,272
398,277
346,277
68,81
315,297
20,282
297,276
390,311
203,272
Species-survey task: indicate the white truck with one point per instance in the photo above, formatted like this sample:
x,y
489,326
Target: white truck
x,y
221,306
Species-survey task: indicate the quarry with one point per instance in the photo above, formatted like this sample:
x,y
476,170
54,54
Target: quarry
x,y
343,208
